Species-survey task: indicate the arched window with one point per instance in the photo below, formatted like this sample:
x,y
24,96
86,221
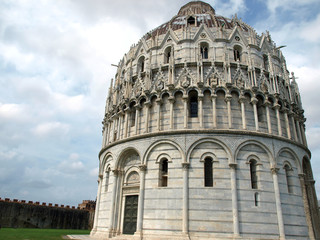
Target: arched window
x,y
208,173
193,104
163,173
289,179
141,64
236,53
167,55
253,174
191,21
204,50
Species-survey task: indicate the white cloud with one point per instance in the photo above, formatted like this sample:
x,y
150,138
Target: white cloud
x,y
51,128
11,111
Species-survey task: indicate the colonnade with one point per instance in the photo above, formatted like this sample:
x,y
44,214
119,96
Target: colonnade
x,y
117,126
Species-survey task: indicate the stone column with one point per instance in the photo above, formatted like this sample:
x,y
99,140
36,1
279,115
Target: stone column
x,y
287,123
136,126
143,169
119,125
278,202
236,230
118,199
113,199
171,100
228,100
298,130
185,110
277,107
267,104
242,100
104,135
200,110
294,127
158,101
185,206
108,132
214,110
126,122
146,119
306,206
96,214
114,120
255,112
303,133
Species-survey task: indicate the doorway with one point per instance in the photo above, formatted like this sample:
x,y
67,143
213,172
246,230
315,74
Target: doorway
x,y
130,214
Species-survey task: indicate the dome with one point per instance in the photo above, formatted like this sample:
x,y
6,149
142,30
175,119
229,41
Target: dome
x,y
197,13
204,137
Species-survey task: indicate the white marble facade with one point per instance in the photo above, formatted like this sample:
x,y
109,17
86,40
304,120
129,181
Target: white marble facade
x,y
204,138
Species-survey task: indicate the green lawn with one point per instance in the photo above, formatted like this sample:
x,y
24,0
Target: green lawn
x,y
37,234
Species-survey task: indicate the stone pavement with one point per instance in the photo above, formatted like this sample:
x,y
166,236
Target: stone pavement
x,y
79,237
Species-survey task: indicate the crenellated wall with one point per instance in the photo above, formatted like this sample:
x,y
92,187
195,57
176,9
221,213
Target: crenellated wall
x,y
23,214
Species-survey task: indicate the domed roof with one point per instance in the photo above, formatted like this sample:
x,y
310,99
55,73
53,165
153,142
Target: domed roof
x,y
196,13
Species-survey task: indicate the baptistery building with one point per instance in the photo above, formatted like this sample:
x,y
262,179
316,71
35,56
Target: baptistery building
x,y
204,137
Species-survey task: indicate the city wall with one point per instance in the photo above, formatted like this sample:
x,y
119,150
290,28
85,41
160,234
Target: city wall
x,y
23,214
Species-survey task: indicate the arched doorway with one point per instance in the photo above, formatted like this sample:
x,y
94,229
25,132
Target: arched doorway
x,y
128,192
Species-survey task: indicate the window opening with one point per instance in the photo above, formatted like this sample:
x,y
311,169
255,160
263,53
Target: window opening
x,y
265,62
260,109
168,55
193,104
204,52
164,173
253,174
107,180
132,114
288,178
236,54
191,21
208,172
141,64
256,199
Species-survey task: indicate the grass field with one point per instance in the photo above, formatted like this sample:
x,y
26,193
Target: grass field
x,y
37,234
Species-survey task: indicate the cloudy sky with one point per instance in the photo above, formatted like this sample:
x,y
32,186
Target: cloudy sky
x,y
55,70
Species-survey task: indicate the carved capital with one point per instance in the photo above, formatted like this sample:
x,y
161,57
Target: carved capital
x,y
213,96
276,106
185,166
228,97
116,172
171,99
142,167
159,101
274,170
233,165
254,101
242,99
147,104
